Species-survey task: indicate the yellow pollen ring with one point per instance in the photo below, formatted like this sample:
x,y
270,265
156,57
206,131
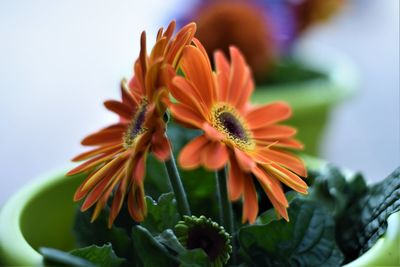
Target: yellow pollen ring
x,y
230,123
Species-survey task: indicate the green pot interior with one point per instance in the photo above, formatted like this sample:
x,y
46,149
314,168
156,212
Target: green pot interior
x,y
52,206
40,215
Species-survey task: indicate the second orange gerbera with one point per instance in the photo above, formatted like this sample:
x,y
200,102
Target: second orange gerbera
x,y
246,138
117,164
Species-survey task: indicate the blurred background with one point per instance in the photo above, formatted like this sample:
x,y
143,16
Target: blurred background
x,y
59,60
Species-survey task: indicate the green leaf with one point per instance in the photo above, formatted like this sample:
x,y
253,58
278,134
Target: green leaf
x,y
308,240
162,214
366,219
89,256
97,233
187,258
331,189
149,251
271,214
170,241
289,70
102,256
60,258
194,258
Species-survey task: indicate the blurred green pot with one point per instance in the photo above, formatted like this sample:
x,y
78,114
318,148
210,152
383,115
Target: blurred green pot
x,y
41,214
312,99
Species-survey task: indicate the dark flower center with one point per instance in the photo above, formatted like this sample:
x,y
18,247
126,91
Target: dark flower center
x,y
136,126
137,123
228,121
232,125
207,239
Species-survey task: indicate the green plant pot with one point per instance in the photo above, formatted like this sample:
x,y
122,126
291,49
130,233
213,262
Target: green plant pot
x,y
313,100
41,214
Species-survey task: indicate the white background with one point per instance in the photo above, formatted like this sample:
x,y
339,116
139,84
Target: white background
x,y
59,60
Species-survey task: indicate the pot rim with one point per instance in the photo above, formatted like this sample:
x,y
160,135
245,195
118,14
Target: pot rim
x,y
13,246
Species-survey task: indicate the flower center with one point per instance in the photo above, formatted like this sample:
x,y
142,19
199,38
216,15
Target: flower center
x,y
227,120
200,232
207,239
136,126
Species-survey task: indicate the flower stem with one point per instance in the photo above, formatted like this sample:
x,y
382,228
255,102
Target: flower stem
x,y
177,186
225,208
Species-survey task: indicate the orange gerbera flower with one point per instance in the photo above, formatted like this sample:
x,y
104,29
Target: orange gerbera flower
x,y
235,132
118,161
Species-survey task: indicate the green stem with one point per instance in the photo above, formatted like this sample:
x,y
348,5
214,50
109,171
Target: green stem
x,y
225,208
177,186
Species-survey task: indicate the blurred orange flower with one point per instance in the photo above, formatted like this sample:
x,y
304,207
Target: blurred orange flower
x,y
117,164
241,23
246,138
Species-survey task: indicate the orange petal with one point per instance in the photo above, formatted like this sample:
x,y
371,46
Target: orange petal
x,y
170,29
92,163
142,57
282,143
287,177
271,184
197,69
107,149
214,155
190,155
235,181
161,147
97,210
250,203
274,132
142,143
222,69
221,63
79,193
119,108
102,187
246,163
185,114
95,194
140,169
211,132
118,200
101,203
265,115
135,91
152,78
107,135
281,209
239,75
183,38
110,167
137,84
127,98
199,46
247,89
184,91
136,203
288,160
158,49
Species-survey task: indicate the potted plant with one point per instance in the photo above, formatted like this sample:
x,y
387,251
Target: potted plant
x,y
42,215
136,210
